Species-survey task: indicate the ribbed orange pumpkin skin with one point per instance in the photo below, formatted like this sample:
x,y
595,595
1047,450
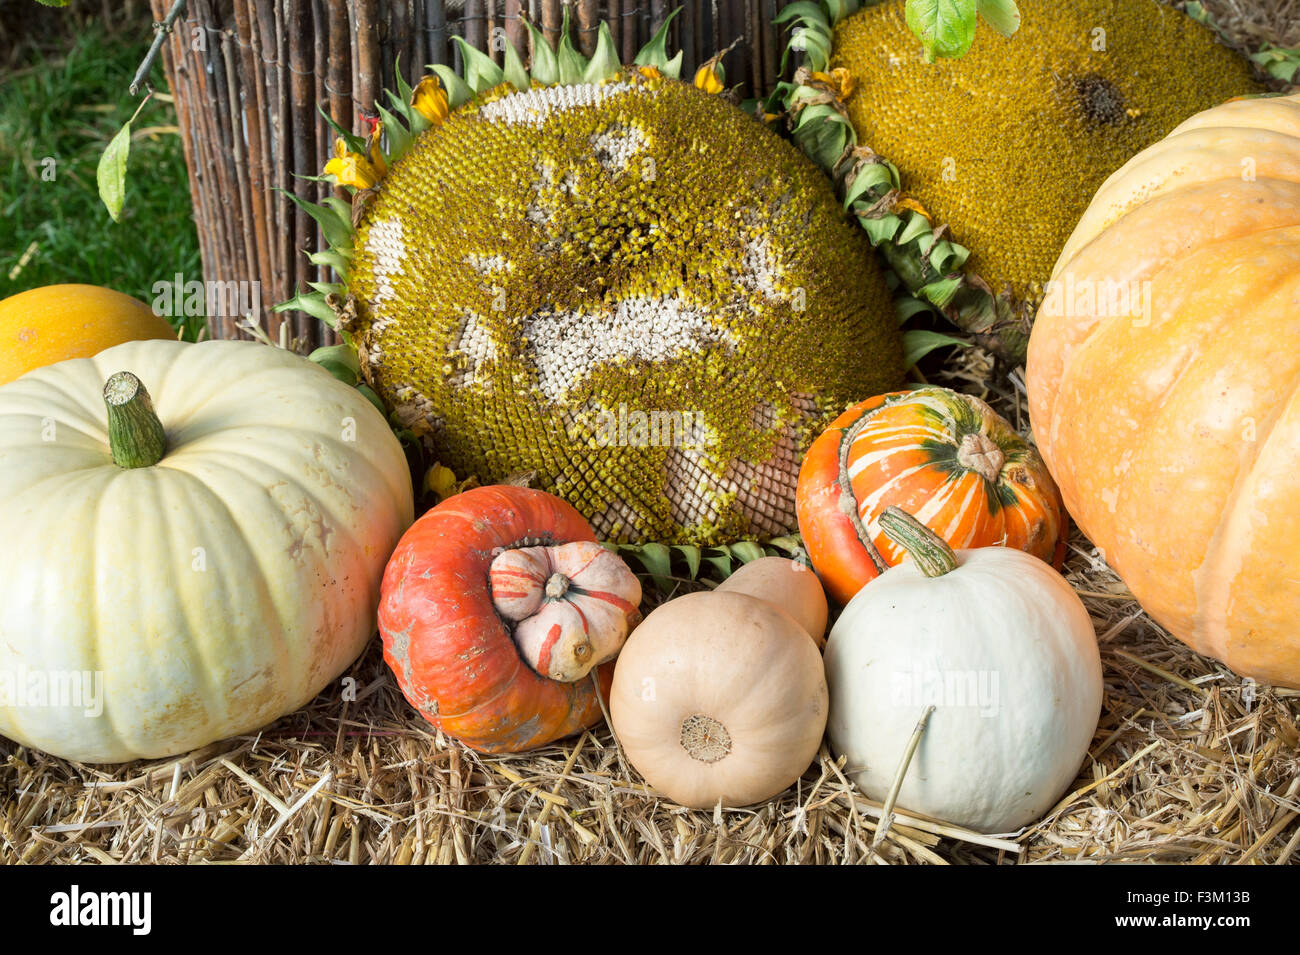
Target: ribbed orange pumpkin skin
x,y
947,459
454,659
45,325
1174,431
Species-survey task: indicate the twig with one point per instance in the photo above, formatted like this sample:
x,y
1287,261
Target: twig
x,y
887,810
161,31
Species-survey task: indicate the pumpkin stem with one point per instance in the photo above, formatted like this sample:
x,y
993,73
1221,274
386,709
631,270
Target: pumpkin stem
x,y
928,550
557,586
135,435
979,453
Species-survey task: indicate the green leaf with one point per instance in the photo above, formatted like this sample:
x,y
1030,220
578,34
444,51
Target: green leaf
x,y
941,291
870,178
328,288
331,258
53,3
747,551
373,398
719,558
513,69
111,174
815,47
313,304
811,13
354,142
919,342
840,9
1278,63
481,73
544,67
692,557
655,53
572,63
823,134
657,561
909,307
336,226
882,229
399,137
945,27
340,361
790,545
604,62
458,93
656,558
916,225
1001,15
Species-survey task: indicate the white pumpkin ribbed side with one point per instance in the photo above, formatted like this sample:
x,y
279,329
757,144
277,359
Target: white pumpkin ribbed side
x,y
215,591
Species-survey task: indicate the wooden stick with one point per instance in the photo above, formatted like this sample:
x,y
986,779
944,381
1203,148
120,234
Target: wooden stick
x,y
514,25
367,59
588,18
887,812
552,18
244,266
476,24
436,18
302,229
250,79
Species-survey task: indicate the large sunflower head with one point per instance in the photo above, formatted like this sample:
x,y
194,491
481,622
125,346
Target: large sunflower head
x,y
1006,145
623,284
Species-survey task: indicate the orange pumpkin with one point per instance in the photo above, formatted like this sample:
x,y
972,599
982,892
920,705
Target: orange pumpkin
x,y
46,325
1163,378
945,457
448,641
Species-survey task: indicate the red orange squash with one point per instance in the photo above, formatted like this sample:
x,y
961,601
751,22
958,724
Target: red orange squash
x,y
451,646
947,458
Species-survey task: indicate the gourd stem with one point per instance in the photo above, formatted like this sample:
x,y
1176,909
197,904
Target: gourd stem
x,y
928,550
557,586
135,435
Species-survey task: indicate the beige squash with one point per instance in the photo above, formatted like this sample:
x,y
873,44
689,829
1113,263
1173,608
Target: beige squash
x,y
719,697
789,585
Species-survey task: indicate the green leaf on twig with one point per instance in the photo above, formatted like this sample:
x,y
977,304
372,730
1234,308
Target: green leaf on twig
x,y
111,174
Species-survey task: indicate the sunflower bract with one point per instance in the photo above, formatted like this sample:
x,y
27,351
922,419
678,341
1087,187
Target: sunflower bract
x,y
632,289
1008,144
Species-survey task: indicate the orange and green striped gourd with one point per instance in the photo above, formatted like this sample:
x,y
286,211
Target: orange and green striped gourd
x,y
948,459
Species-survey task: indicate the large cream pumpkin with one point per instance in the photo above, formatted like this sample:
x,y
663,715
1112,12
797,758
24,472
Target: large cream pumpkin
x,y
206,594
1163,379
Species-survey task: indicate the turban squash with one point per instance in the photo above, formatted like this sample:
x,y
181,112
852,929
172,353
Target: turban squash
x,y
488,597
946,457
1163,381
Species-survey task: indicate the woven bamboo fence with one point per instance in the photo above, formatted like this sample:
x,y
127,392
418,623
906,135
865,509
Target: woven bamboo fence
x,y
248,75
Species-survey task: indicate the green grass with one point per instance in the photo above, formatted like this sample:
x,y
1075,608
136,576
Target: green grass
x,y
67,107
